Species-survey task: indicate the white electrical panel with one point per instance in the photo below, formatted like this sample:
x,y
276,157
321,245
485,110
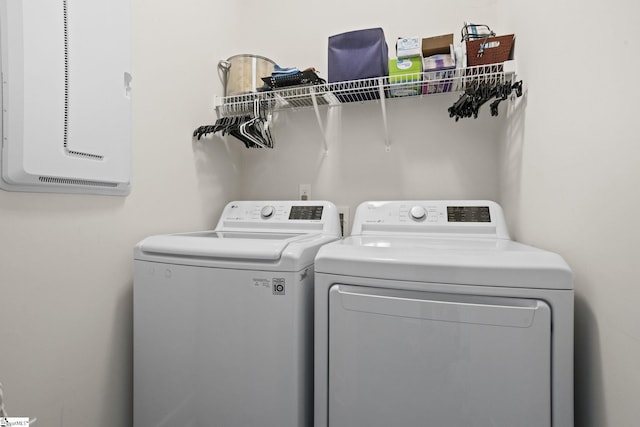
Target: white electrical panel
x,y
66,96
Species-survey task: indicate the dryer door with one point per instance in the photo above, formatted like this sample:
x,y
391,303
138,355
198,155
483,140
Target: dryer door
x,y
407,358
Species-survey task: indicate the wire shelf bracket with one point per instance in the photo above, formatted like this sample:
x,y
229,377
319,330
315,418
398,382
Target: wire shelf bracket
x,y
323,129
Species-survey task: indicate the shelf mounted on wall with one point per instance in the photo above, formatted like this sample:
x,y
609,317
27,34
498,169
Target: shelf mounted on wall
x,y
381,90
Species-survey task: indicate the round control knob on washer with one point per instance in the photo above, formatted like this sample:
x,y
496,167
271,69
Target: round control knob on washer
x,y
267,211
417,213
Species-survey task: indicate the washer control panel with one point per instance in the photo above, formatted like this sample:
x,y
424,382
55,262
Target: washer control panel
x,y
270,215
274,211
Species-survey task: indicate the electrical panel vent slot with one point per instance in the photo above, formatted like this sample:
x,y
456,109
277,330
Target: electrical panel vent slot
x,y
65,181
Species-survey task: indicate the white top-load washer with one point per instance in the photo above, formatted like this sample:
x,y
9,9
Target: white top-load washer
x,y
429,315
223,319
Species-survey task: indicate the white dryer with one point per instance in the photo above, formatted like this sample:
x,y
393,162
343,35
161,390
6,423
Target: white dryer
x,y
429,315
223,319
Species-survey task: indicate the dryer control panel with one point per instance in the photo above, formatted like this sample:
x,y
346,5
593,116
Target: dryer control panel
x,y
464,217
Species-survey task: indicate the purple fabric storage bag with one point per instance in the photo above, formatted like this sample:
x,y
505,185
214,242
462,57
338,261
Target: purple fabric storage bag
x,y
360,54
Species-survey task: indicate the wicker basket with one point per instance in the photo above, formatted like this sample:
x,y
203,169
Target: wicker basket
x,y
490,50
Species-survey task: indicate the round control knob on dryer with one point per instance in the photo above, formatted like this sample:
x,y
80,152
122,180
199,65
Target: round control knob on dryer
x,y
417,213
267,211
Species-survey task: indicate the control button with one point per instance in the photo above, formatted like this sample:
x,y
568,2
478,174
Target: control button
x,y
267,212
417,213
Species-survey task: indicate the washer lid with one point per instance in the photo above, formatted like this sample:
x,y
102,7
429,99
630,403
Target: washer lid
x,y
274,235
468,261
219,244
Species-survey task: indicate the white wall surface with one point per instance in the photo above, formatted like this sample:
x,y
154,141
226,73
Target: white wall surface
x,y
563,166
65,260
570,182
431,156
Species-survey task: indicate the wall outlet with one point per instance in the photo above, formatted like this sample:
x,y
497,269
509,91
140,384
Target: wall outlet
x,y
304,191
343,213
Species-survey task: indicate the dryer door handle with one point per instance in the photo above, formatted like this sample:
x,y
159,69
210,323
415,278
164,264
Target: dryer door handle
x,y
484,310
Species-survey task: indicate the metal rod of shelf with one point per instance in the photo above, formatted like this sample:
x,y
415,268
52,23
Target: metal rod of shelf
x,y
320,124
383,106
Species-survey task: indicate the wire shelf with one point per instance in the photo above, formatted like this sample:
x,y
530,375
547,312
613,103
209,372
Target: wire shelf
x,y
332,94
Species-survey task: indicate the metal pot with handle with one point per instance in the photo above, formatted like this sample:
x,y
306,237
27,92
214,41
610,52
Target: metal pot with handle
x,y
243,74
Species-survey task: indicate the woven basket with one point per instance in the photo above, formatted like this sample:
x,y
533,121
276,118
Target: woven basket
x,y
496,49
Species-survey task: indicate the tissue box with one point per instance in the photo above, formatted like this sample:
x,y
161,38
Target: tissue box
x,y
407,47
439,62
402,74
439,71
